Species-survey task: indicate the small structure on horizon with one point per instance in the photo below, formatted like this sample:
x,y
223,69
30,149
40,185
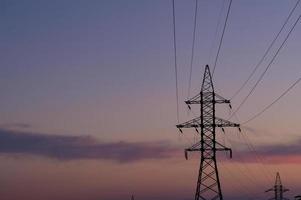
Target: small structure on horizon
x,y
278,189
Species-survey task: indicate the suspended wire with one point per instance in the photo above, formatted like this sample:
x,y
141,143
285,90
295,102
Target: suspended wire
x,y
258,159
260,167
216,29
266,69
193,44
175,57
275,101
266,52
265,172
189,141
247,171
175,61
239,184
235,182
252,178
221,40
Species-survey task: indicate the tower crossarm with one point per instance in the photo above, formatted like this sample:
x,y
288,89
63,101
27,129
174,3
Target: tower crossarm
x,y
220,147
198,147
270,190
197,99
196,122
219,122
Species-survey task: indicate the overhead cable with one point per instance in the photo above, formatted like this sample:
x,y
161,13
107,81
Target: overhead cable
x,y
275,101
222,37
266,69
175,57
193,44
266,52
216,29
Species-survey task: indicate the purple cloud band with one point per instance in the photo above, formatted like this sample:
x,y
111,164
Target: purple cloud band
x,y
64,147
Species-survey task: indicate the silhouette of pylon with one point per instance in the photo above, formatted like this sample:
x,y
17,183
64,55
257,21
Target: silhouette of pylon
x,y
208,183
278,189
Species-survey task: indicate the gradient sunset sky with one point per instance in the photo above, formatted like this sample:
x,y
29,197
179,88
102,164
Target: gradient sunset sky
x,y
88,106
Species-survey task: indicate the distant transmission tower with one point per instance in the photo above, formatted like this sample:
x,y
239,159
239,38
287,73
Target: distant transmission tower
x,y
208,184
278,189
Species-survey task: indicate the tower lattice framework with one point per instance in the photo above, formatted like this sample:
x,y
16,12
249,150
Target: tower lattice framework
x,y
278,189
208,183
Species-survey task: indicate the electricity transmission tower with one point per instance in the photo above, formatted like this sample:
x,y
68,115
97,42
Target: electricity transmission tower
x,y
208,184
278,189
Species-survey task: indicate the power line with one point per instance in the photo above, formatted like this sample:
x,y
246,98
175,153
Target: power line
x,y
193,44
175,56
248,171
236,184
275,101
216,29
266,52
266,69
221,40
258,158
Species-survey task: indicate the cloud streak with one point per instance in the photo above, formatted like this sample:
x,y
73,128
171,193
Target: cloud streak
x,y
64,147
15,125
277,153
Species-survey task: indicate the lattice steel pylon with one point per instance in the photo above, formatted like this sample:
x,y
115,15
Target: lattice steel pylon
x,y
208,183
278,189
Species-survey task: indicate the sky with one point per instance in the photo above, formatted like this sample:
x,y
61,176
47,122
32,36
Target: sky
x,y
88,105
